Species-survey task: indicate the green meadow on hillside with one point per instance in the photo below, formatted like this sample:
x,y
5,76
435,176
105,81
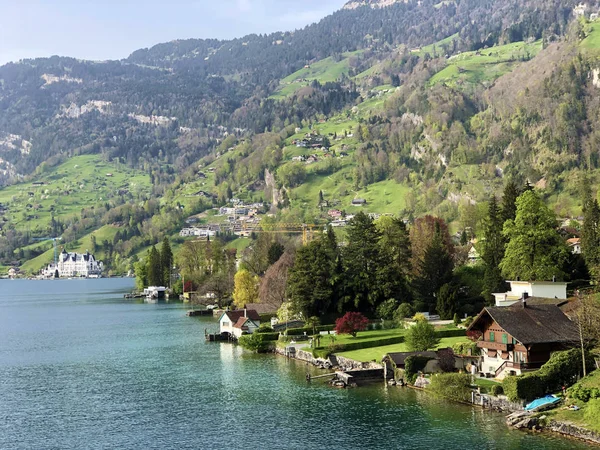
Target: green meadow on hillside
x,y
80,182
325,70
485,65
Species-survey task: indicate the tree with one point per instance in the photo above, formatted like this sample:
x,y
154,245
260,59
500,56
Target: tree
x,y
394,269
351,323
310,284
435,270
274,284
313,322
509,201
535,250
421,235
166,261
361,262
446,304
590,234
154,270
421,337
492,251
275,251
245,288
587,318
140,269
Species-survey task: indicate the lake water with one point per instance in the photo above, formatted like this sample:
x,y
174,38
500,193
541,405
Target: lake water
x,y
81,367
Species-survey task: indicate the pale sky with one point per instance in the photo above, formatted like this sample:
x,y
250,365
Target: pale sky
x,y
112,29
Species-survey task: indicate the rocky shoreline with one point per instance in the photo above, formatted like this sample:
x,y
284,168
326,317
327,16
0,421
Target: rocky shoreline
x,y
526,420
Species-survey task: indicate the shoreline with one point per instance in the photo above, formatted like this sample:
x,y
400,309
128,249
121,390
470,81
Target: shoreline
x,y
564,429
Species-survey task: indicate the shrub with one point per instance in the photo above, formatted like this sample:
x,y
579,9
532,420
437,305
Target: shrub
x,y
455,386
497,390
419,317
264,328
592,411
351,323
254,342
562,369
269,336
456,319
462,348
403,311
421,336
468,321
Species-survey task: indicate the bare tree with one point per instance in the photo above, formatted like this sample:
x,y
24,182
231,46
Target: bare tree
x,y
274,283
587,317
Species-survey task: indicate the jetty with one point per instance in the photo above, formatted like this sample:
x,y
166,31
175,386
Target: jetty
x,y
199,312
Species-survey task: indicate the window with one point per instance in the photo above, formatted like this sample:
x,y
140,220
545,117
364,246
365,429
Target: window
x,y
492,337
514,341
505,338
225,324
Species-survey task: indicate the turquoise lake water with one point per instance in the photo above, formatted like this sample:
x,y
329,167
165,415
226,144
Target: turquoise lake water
x,y
81,367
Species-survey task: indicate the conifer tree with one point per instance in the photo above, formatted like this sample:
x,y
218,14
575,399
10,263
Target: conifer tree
x,y
509,199
154,271
492,251
590,234
166,261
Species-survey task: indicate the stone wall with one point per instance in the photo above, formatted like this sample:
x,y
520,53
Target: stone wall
x,y
574,431
500,403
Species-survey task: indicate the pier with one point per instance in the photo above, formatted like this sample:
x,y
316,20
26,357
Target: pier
x,y
199,312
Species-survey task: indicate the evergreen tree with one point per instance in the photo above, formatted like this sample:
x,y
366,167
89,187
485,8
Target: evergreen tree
x,y
166,261
492,251
154,270
394,248
535,250
275,251
435,271
446,302
361,262
509,201
310,284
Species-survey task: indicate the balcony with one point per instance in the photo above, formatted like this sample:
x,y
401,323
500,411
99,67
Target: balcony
x,y
495,346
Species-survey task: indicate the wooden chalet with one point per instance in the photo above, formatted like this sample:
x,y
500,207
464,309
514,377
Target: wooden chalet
x,y
521,337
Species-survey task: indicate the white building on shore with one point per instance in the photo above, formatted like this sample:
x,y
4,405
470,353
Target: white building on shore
x,y
69,265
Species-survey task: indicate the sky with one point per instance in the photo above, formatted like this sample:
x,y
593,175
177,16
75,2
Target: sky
x,y
113,29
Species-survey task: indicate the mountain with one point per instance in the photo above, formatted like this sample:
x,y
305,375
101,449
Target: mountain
x,y
423,106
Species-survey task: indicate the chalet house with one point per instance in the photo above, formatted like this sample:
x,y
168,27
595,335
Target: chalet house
x,y
575,245
235,323
334,213
359,202
521,337
542,289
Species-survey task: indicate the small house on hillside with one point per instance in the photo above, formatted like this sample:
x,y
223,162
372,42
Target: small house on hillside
x,y
521,337
575,245
235,323
543,289
359,202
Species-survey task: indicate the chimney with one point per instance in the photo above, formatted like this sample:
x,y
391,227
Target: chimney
x,y
245,315
524,298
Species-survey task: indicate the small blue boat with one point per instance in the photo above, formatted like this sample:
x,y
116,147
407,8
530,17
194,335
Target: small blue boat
x,y
542,403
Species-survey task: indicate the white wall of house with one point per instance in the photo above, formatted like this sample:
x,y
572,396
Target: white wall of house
x,y
225,325
544,289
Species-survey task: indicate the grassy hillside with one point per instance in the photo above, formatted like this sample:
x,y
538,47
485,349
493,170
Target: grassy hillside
x,y
486,65
80,182
325,70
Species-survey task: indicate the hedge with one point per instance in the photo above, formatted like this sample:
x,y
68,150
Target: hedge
x,y
271,336
308,330
562,369
450,333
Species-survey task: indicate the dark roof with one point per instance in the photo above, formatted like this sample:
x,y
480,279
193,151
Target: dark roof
x,y
399,358
532,324
262,308
242,322
235,315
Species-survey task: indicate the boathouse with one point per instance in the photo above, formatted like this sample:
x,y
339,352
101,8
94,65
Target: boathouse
x,y
236,323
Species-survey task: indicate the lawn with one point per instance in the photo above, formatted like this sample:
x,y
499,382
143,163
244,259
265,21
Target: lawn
x,y
376,353
436,49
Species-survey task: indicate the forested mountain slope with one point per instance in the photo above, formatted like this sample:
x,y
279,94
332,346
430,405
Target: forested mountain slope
x,y
414,107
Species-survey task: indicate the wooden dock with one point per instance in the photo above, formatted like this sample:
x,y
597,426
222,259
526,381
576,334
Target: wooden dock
x,y
199,312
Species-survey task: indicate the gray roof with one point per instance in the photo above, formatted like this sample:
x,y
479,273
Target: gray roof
x,y
532,323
